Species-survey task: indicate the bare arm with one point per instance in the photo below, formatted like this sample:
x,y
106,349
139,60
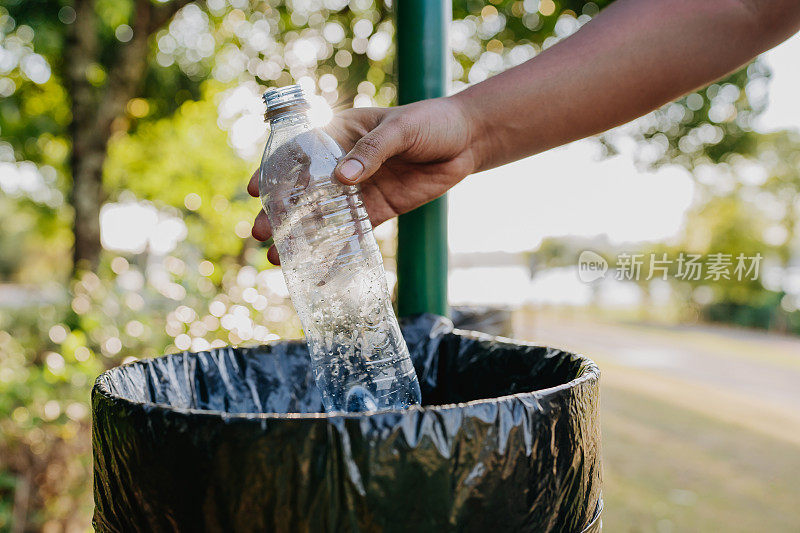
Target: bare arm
x,y
632,58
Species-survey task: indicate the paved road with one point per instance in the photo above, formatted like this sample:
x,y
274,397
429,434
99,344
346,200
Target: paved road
x,y
733,373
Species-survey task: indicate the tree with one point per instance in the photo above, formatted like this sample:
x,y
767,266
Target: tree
x,y
97,70
746,206
94,108
104,55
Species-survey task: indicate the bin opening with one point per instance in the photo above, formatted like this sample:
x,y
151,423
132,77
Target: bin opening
x,y
453,367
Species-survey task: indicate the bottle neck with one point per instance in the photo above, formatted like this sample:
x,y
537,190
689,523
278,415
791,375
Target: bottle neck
x,y
288,117
285,105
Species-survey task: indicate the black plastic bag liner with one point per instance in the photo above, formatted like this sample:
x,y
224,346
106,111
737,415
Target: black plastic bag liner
x,y
235,439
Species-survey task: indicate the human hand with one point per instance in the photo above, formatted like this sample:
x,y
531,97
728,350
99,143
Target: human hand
x,y
402,157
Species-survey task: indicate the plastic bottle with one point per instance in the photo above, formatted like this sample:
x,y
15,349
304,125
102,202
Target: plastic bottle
x,y
332,265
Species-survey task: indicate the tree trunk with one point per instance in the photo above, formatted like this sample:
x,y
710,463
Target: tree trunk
x,y
86,160
87,198
94,111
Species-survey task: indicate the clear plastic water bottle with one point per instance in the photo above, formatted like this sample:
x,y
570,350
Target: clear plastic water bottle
x,y
332,265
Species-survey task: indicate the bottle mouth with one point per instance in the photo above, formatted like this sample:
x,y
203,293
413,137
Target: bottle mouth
x,y
280,100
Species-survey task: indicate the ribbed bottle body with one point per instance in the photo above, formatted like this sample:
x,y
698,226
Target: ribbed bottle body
x,y
334,272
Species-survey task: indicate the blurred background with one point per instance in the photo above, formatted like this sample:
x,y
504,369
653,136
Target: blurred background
x,y
129,129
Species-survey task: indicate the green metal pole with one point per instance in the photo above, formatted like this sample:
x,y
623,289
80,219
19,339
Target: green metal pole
x,y
422,53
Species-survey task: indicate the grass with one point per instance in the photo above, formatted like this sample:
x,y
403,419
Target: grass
x,y
690,447
670,469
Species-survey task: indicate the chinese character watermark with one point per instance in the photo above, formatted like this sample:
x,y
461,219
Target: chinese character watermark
x,y
716,266
689,267
629,267
659,265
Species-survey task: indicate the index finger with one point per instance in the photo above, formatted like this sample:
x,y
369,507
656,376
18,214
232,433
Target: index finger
x,y
252,187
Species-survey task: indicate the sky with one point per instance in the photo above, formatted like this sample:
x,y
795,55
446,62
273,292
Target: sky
x,y
570,191
784,93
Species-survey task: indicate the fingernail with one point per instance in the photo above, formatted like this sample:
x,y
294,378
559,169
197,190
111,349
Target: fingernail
x,y
351,169
272,256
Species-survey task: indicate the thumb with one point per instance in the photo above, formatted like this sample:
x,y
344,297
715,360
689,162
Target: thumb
x,y
370,152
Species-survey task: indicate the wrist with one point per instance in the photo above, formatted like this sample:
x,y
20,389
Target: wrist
x,y
478,132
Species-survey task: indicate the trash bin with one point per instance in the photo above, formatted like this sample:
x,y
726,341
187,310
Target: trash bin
x,y
494,320
234,439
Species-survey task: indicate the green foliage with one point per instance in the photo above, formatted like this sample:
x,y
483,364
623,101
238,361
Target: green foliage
x,y
704,127
31,113
748,205
35,240
50,354
208,169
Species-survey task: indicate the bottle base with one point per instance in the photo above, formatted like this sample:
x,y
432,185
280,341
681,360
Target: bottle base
x,y
359,400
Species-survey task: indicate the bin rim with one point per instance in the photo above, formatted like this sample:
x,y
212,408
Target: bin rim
x,y
589,372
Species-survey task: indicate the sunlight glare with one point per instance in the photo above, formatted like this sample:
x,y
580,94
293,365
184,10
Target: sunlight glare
x,y
320,113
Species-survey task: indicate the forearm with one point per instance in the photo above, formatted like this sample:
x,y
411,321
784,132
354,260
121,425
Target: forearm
x,y
632,58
